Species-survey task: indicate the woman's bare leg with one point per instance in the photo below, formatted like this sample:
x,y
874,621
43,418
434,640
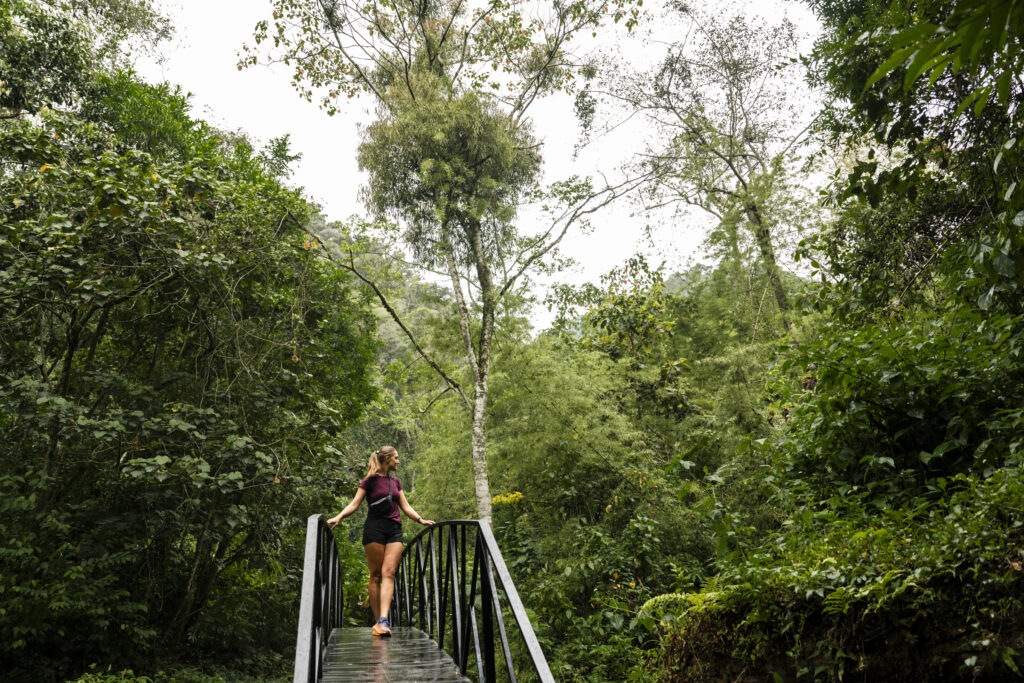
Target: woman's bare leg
x,y
375,561
392,553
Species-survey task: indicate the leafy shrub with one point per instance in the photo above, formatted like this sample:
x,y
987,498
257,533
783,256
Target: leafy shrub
x,y
893,408
124,676
927,591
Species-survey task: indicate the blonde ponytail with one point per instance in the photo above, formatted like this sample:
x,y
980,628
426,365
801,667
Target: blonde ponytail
x,y
379,459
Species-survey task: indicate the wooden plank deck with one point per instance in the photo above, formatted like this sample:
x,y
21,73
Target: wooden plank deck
x,y
408,656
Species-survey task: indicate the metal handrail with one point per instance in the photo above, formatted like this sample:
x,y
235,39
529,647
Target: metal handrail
x,y
322,606
431,593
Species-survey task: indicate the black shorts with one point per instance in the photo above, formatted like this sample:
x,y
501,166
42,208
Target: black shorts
x,y
381,530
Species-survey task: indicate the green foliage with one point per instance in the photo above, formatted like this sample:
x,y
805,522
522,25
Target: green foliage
x,y
451,168
626,315
109,677
51,49
614,463
927,590
959,166
177,366
894,410
519,50
729,130
898,459
181,675
918,373
277,157
151,118
976,38
44,61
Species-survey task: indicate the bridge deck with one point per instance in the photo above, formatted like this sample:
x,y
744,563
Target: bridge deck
x,y
409,656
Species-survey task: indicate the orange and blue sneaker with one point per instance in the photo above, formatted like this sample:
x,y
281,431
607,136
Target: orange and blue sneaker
x,y
382,628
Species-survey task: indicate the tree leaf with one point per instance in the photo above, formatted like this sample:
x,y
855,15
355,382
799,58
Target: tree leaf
x,y
1003,87
911,35
967,102
895,59
939,69
982,100
924,59
985,300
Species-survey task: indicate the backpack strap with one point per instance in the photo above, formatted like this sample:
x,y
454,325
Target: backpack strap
x,y
388,498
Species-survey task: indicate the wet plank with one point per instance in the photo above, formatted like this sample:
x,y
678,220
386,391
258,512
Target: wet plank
x,y
408,656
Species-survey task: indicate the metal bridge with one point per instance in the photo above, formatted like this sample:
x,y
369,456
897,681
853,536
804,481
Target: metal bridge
x,y
456,615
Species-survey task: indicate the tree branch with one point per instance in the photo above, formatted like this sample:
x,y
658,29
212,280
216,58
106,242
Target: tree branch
x,y
351,267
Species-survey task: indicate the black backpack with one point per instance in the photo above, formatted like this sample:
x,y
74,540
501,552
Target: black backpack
x,y
376,505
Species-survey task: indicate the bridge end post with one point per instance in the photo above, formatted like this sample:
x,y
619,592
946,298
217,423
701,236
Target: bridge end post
x,y
306,661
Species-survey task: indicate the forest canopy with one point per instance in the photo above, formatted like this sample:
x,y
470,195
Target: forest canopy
x,y
794,456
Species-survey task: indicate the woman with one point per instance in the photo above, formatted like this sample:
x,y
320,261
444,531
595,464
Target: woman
x,y
382,533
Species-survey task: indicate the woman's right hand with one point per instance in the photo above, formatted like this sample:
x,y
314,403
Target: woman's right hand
x,y
334,521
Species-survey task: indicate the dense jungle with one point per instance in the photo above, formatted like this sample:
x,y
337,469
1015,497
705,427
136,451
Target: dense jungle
x,y
794,456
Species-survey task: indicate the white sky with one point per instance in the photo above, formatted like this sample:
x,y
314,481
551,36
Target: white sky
x,y
260,101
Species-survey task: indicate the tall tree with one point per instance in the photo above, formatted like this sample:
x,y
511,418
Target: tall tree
x,y
451,155
726,130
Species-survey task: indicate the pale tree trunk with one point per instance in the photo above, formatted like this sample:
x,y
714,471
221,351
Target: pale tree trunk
x,y
764,244
460,303
480,361
483,361
481,481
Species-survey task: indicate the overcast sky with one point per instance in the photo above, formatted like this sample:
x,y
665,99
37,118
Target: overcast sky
x,y
260,102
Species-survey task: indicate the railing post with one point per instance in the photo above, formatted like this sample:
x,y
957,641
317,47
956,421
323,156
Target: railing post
x,y
421,587
397,604
489,674
470,622
467,605
321,606
447,581
540,663
410,607
305,659
476,639
500,621
456,598
436,602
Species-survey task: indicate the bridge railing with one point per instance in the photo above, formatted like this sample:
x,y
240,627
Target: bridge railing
x,y
452,583
322,604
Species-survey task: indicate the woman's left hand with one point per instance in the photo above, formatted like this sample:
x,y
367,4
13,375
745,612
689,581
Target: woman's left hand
x,y
427,522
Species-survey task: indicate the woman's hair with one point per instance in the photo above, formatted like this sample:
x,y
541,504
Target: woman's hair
x,y
378,460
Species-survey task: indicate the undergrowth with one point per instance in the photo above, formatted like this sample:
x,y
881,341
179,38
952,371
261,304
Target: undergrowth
x,y
929,592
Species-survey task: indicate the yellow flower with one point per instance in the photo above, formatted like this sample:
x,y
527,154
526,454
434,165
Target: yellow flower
x,y
507,498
